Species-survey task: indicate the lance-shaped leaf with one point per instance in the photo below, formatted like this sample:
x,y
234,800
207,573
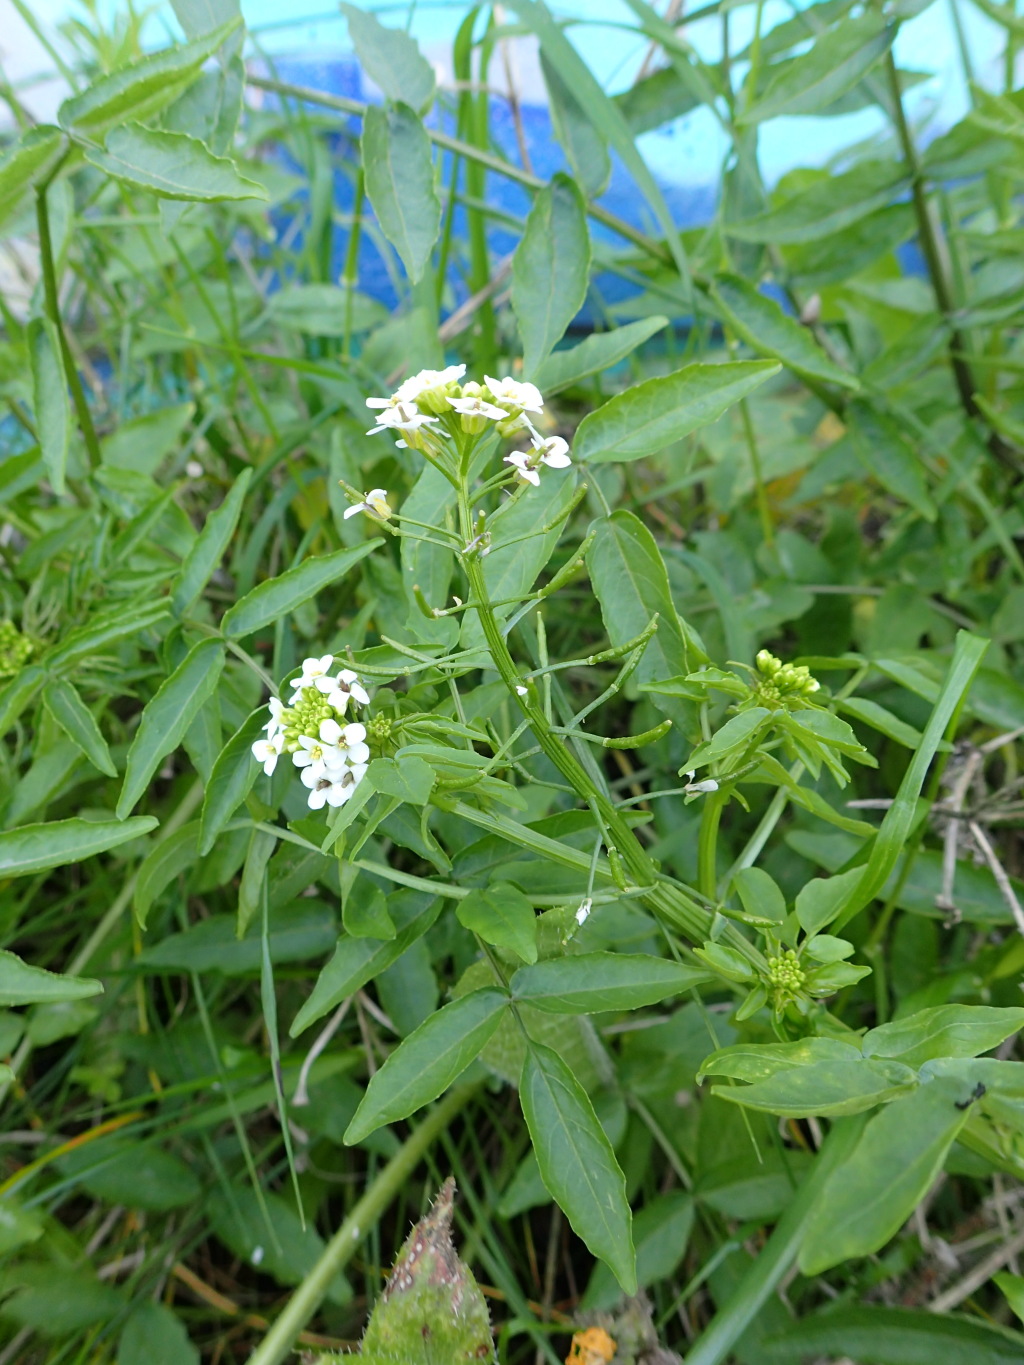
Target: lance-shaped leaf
x,y
172,165
426,1063
161,865
943,1031
826,1089
208,550
892,1336
391,59
885,453
278,596
576,1160
400,183
78,723
23,984
143,88
597,353
550,270
900,1153
168,715
834,64
826,206
660,411
587,983
34,848
26,164
761,323
584,146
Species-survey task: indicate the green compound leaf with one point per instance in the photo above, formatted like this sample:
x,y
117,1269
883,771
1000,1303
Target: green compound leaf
x,y
34,848
78,723
23,984
391,58
576,1161
400,183
172,165
502,916
899,1154
208,550
550,270
588,983
427,1062
142,89
168,715
650,416
279,596
50,398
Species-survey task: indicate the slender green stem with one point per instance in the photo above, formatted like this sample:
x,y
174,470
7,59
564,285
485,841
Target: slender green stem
x,y
707,844
277,1345
52,306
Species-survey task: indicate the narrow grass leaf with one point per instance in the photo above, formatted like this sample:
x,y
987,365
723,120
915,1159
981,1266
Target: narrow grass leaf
x,y
168,715
576,1160
893,1336
279,596
427,1062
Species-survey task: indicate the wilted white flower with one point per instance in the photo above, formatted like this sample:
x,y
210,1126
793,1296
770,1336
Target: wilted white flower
x,y
708,784
268,751
521,691
512,393
583,911
375,502
523,465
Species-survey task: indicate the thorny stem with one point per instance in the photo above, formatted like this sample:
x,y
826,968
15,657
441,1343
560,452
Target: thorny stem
x,y
52,306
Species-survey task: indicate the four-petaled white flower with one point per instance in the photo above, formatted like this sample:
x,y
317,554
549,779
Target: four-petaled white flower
x,y
334,789
402,417
523,465
314,672
513,393
410,389
275,725
375,502
268,751
554,452
349,740
345,687
477,407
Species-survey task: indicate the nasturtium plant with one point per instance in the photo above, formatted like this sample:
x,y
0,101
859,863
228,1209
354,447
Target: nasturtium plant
x,y
502,686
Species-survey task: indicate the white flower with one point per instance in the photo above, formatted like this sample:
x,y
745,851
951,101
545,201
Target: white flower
x,y
313,672
375,502
410,389
314,756
267,752
402,417
707,785
348,742
583,911
332,790
475,407
554,452
513,394
521,691
345,687
523,465
275,725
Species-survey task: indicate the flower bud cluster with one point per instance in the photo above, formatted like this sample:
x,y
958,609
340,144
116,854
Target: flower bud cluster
x,y
786,976
15,649
434,407
330,752
779,682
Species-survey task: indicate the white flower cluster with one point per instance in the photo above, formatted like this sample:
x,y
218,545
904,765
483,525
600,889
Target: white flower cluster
x,y
434,404
330,753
